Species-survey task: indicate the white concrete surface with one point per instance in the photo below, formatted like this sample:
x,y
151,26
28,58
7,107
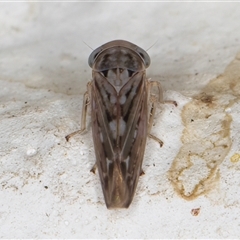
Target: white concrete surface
x,y
191,186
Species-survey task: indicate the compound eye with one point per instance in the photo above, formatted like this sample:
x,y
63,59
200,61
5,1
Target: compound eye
x,y
93,56
144,56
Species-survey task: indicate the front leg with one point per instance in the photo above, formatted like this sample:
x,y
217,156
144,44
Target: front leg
x,y
85,106
155,99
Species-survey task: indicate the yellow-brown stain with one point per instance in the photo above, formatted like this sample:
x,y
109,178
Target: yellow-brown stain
x,y
235,158
206,135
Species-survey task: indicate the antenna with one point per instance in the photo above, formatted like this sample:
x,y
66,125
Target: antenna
x,y
152,45
87,44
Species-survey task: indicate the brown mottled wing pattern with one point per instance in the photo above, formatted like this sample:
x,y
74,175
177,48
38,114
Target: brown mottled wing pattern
x,y
119,128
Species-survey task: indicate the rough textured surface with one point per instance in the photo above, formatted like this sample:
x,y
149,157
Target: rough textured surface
x,y
191,185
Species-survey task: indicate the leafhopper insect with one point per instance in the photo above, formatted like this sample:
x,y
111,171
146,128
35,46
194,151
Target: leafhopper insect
x,y
123,105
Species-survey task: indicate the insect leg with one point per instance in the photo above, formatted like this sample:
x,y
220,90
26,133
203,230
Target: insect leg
x,y
86,101
154,99
93,169
142,172
156,139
